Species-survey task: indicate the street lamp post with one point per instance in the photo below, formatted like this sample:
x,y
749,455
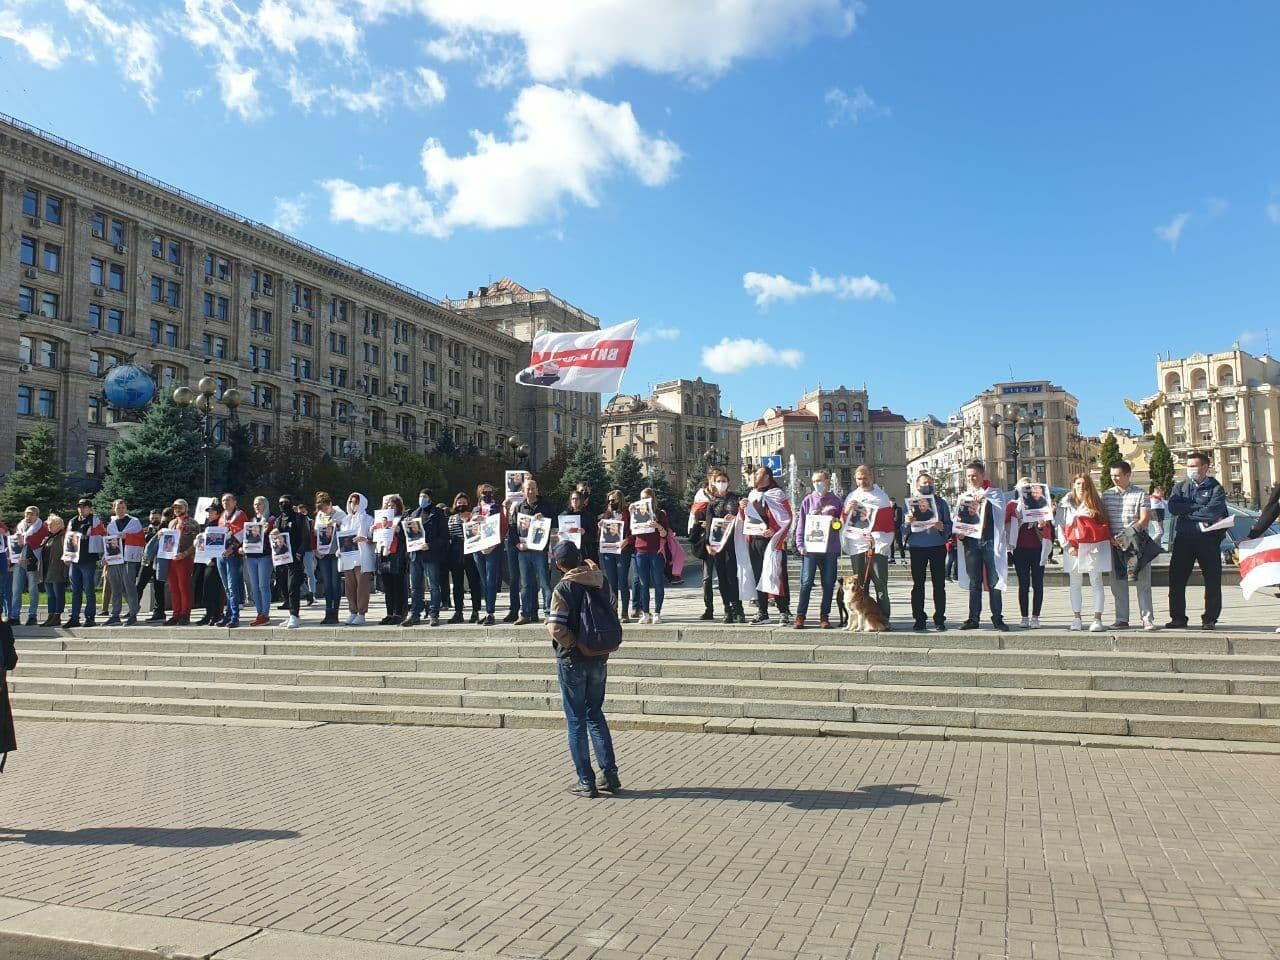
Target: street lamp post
x,y
518,450
1021,425
202,398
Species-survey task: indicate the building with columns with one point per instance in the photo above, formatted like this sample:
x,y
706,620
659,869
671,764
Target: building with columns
x,y
1227,404
1046,444
672,428
100,263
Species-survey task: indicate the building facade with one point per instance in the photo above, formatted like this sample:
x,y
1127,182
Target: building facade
x,y
834,430
945,462
923,435
1227,404
99,264
547,419
1048,448
672,428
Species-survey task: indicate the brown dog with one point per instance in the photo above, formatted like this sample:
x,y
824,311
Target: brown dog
x,y
865,615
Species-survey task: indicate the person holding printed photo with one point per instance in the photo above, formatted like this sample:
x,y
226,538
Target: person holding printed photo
x,y
928,552
984,560
617,566
1032,541
821,502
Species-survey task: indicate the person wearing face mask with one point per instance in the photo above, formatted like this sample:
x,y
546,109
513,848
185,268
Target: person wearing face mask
x,y
427,566
1198,501
490,560
357,566
181,567
298,528
928,552
329,521
459,563
729,560
617,566
820,502
393,565
1032,542
767,504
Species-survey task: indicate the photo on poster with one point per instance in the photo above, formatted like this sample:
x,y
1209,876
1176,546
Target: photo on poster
x,y
168,546
1036,503
112,550
719,532
643,518
326,533
969,514
753,518
488,534
71,547
201,556
922,512
569,526
215,538
534,531
15,544
384,528
253,534
856,533
515,484
817,532
415,537
281,554
611,536
348,547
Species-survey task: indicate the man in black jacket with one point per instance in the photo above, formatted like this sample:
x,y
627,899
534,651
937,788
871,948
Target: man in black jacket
x,y
426,566
83,571
1197,500
298,528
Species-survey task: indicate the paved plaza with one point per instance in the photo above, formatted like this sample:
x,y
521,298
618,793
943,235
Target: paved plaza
x,y
720,846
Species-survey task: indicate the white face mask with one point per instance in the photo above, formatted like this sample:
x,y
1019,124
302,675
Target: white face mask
x,y
820,486
1193,474
722,486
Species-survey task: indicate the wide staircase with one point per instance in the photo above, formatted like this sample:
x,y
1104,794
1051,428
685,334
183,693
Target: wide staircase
x,y
1168,689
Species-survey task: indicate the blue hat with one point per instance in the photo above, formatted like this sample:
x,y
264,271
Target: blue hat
x,y
566,554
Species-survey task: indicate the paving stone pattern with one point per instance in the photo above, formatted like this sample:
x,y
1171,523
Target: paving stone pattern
x,y
721,847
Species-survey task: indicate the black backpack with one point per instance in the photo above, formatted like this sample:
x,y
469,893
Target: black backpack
x,y
599,631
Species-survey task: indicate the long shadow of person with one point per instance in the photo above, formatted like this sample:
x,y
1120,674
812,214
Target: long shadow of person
x,y
143,836
871,795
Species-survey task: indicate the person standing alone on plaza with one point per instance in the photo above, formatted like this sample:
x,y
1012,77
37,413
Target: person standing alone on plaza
x,y
584,629
1195,503
1128,512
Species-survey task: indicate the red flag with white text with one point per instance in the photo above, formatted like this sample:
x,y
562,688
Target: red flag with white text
x,y
590,362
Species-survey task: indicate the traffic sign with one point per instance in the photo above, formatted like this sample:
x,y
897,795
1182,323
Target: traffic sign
x,y
774,462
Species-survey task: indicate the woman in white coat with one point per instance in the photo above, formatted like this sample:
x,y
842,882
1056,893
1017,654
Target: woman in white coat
x,y
357,565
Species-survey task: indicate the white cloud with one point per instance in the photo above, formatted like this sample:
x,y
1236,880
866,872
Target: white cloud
x,y
135,45
239,90
850,107
1171,232
766,288
734,356
423,88
286,23
428,88
37,40
563,144
573,39
657,334
290,213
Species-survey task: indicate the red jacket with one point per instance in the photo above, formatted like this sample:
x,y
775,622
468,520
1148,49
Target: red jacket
x,y
1084,530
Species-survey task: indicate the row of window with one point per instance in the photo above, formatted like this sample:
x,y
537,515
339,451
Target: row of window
x,y
50,210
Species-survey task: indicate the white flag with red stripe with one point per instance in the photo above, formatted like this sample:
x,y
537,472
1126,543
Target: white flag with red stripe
x,y
1259,564
590,362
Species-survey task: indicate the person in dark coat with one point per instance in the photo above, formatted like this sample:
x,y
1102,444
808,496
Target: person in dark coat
x,y
8,660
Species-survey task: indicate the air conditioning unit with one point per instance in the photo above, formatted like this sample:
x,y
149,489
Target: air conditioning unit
x,y
98,234
30,273
121,248
253,294
34,221
296,308
208,278
24,368
99,292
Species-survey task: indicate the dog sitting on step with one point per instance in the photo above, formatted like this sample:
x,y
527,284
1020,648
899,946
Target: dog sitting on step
x,y
865,615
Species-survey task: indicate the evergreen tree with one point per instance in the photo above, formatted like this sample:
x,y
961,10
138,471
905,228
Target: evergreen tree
x,y
1161,467
585,465
36,479
445,447
666,498
392,468
238,470
159,460
627,475
698,472
1109,454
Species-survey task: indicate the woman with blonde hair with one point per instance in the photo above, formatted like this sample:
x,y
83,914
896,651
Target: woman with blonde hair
x,y
1086,546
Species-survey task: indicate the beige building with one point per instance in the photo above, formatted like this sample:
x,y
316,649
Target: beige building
x,y
546,419
99,263
1227,404
923,435
671,428
833,430
945,462
1046,446
1134,450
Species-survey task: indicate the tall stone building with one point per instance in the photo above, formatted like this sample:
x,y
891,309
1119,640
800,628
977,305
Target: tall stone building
x,y
1046,446
834,430
547,419
1227,404
671,428
923,435
100,263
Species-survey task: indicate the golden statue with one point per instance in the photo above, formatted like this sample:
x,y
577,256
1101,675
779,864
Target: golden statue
x,y
1145,411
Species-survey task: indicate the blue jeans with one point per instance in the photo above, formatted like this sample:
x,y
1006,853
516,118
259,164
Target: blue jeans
x,y
260,583
57,594
490,567
617,572
649,573
424,571
827,563
582,682
231,572
29,581
309,569
513,573
84,589
980,555
534,576
330,582
6,587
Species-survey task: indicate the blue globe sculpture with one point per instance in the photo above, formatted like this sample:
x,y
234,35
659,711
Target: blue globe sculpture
x,y
128,387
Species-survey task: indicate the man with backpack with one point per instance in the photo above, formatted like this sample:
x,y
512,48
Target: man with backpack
x,y
584,630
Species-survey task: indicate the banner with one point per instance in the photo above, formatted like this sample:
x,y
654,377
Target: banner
x,y
1259,564
589,362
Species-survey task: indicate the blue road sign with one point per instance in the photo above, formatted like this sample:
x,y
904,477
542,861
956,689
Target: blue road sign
x,y
774,462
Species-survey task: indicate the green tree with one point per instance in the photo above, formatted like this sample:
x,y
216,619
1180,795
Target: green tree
x,y
159,460
551,474
587,466
445,447
667,498
238,468
1109,454
1161,464
626,474
698,472
392,468
37,478
293,466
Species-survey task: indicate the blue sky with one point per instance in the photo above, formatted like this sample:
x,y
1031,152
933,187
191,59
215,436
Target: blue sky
x,y
847,193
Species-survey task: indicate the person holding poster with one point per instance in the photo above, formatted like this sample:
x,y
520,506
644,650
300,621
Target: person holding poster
x,y
393,562
179,575
258,565
926,529
489,559
1129,516
357,564
819,544
83,569
1086,547
648,560
24,552
210,545
984,561
231,564
1031,541
869,533
459,563
615,551
329,521
762,532
588,520
124,576
534,575
716,508
427,567
291,523
53,570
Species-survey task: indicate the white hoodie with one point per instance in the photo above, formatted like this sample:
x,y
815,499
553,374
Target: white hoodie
x,y
358,523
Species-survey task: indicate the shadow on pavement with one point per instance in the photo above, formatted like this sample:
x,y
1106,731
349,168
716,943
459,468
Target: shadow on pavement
x,y
872,795
143,836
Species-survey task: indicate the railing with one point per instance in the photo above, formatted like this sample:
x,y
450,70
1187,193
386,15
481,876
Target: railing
x,y
229,214
533,296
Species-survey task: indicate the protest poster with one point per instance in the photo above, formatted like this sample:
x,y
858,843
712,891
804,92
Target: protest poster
x,y
210,544
817,532
482,533
922,512
719,532
15,545
415,536
1036,503
753,519
349,549
281,554
611,536
167,549
326,535
570,527
203,504
71,547
253,534
113,550
384,528
643,518
969,514
515,485
533,531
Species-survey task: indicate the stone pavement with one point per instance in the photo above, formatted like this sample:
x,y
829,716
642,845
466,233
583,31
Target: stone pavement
x,y
720,847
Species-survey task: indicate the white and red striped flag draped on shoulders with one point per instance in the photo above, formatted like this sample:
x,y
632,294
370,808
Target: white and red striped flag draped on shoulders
x,y
589,362
1259,564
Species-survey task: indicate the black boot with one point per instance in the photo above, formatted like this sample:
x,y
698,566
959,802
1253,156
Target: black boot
x,y
457,615
475,614
709,614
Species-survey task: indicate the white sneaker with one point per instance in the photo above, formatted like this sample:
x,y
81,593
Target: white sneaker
x,y
1150,624
351,620
1035,623
293,623
644,618
655,618
1097,627
1076,625
358,621
1026,623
